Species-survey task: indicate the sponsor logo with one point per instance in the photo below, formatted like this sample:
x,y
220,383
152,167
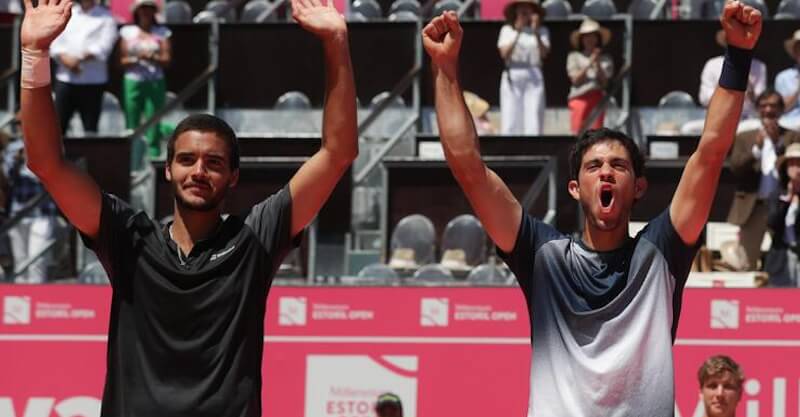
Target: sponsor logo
x,y
16,310
434,312
724,314
292,311
349,385
218,255
47,406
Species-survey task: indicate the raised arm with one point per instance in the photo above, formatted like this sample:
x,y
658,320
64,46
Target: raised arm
x,y
75,193
698,185
316,179
489,196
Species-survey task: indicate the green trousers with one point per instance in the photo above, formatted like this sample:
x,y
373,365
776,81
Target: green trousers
x,y
142,99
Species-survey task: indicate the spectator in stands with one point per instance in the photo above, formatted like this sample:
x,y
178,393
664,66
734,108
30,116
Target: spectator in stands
x,y
787,82
782,262
589,70
721,381
753,164
710,76
479,109
389,405
81,53
145,50
523,44
39,226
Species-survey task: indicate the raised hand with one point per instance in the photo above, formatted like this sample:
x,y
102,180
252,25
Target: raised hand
x,y
44,22
742,24
323,21
442,40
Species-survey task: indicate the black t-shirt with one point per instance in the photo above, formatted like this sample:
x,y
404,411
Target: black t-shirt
x,y
186,333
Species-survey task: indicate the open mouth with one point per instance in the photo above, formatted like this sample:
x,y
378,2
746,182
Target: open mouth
x,y
606,197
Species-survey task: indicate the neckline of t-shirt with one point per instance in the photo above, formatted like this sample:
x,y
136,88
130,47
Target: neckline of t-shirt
x,y
202,242
584,246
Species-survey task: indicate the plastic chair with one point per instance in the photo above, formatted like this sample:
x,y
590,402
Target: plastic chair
x,y
557,9
790,7
379,272
446,5
643,9
178,11
220,8
487,274
680,99
367,8
599,9
255,12
433,273
405,6
413,242
206,16
463,243
293,100
403,16
381,97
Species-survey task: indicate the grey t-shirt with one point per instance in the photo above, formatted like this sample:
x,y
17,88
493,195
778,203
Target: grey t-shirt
x,y
602,323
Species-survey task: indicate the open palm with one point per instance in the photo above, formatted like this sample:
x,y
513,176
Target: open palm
x,y
324,21
44,22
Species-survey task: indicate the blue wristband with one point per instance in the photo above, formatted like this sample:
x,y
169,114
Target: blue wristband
x,y
736,68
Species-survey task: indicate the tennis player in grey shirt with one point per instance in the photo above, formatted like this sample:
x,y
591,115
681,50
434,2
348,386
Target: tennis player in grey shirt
x,y
604,307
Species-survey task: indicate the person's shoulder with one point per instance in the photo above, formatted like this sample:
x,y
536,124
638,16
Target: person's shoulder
x,y
129,31
162,31
788,72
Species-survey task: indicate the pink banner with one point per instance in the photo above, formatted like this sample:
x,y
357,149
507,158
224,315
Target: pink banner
x,y
446,351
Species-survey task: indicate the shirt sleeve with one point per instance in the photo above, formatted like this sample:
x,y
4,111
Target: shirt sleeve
x,y
783,84
544,35
271,221
708,82
506,37
607,65
102,46
573,65
114,238
679,256
532,234
759,70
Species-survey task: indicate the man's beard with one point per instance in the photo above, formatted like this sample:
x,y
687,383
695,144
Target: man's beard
x,y
207,206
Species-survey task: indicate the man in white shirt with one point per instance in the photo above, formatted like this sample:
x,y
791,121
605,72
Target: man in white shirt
x,y
81,53
710,76
787,82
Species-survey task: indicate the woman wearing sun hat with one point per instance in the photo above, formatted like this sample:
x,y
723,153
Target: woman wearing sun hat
x,y
523,44
145,51
589,70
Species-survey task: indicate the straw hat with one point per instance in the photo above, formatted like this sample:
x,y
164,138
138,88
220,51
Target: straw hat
x,y
139,3
790,43
476,105
792,152
510,10
589,26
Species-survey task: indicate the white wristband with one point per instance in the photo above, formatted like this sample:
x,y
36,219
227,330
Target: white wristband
x,y
35,71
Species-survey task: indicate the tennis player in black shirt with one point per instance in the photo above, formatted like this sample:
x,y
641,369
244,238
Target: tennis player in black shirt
x,y
187,314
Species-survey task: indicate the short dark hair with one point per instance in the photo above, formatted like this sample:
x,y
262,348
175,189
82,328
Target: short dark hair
x,y
206,123
769,92
593,136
